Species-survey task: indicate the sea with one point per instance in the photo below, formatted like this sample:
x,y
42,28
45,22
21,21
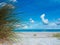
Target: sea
x,y
37,30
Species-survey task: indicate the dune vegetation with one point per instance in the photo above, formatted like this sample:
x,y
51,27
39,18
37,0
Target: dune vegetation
x,y
7,21
57,35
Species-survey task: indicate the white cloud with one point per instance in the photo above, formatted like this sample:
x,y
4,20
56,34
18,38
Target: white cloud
x,y
21,26
13,0
45,21
38,25
25,27
58,21
31,20
52,24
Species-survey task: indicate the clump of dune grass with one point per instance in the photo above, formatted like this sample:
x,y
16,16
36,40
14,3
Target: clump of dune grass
x,y
57,35
7,21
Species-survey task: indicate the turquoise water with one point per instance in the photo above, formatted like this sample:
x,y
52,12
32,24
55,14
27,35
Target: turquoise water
x,y
37,30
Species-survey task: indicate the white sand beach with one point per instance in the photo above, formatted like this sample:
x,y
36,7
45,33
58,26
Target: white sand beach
x,y
36,34
36,38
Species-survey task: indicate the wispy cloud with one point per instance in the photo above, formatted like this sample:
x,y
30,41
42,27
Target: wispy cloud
x,y
31,20
58,21
38,25
32,24
25,27
13,0
52,24
45,21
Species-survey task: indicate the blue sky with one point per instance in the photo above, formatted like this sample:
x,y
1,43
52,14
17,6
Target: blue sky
x,y
38,14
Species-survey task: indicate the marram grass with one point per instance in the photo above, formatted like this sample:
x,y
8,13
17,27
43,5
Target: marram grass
x,y
6,25
57,35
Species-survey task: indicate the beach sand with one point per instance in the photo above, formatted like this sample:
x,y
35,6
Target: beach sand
x,y
36,38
